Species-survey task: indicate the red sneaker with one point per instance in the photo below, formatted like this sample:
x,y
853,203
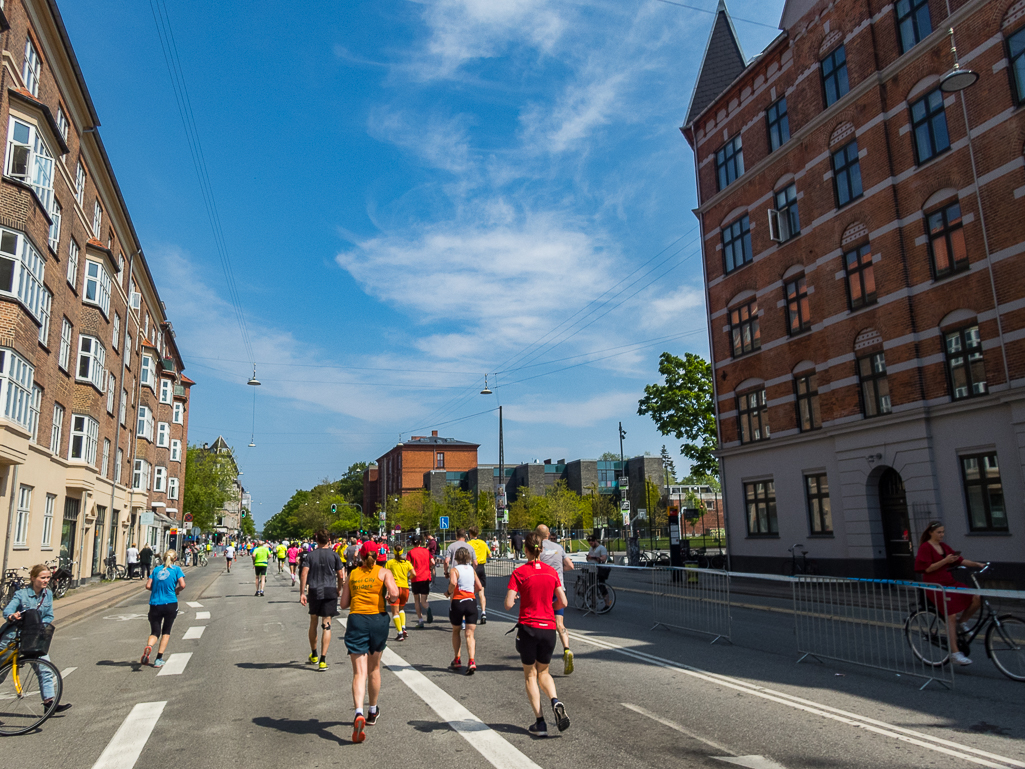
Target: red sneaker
x,y
472,668
145,655
358,726
456,664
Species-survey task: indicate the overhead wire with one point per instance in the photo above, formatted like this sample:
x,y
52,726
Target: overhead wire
x,y
705,10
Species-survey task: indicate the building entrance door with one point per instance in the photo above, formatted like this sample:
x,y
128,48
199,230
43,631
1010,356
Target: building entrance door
x,y
69,529
893,507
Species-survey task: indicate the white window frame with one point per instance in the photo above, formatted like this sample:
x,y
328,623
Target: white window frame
x,y
45,307
178,413
166,391
63,124
176,450
16,382
163,435
140,475
56,428
22,516
34,409
160,479
73,252
86,432
97,219
80,183
115,336
51,501
29,159
95,358
56,213
122,416
144,423
119,460
172,488
96,289
111,391
27,269
64,357
148,372
106,457
128,347
31,68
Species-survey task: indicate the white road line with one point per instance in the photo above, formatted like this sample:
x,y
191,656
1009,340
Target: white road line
x,y
194,604
194,633
124,748
677,727
751,762
947,747
489,743
175,664
202,615
67,672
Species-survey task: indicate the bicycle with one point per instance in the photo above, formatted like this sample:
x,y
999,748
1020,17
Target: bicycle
x,y
60,578
795,567
13,582
593,594
656,558
926,634
114,570
201,558
23,681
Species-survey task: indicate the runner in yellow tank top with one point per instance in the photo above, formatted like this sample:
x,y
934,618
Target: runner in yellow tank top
x,y
366,632
481,550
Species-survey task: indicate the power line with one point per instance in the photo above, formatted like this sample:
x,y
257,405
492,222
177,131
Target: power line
x,y
705,10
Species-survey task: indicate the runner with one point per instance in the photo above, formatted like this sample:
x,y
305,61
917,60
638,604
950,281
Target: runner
x,y
292,554
434,550
229,556
480,549
164,585
322,576
402,570
261,557
281,552
423,565
382,550
366,633
463,586
539,590
351,557
553,555
459,544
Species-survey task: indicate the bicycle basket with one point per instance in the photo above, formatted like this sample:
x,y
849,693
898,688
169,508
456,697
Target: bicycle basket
x,y
35,640
61,573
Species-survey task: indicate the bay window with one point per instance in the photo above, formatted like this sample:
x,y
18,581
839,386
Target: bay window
x,y
97,286
29,160
148,372
16,396
21,271
144,424
91,358
85,433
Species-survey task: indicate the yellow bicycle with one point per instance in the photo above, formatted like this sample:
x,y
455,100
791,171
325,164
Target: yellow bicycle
x,y
30,688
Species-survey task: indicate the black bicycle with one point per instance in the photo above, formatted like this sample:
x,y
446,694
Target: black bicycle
x,y
13,582
593,594
799,563
114,570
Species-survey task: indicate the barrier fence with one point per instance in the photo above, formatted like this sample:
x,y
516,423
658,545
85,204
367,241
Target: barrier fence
x,y
691,599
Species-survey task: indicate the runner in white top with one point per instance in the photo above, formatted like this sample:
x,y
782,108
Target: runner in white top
x,y
464,586
553,554
229,555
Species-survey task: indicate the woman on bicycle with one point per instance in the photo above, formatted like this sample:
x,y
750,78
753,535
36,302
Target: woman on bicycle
x,y
164,585
934,560
36,596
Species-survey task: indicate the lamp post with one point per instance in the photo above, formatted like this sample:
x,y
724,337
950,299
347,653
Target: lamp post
x,y
254,383
501,465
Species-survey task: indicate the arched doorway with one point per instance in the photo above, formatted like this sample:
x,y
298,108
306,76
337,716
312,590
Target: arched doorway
x,y
893,509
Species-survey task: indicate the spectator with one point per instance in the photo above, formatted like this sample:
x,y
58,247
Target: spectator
x,y
132,559
145,560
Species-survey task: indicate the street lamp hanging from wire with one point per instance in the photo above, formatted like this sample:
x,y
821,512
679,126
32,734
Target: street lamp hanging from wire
x,y
254,382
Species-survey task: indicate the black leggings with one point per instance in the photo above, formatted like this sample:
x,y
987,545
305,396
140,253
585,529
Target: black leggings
x,y
161,618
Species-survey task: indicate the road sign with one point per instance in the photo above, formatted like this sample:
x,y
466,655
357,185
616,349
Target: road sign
x,y
443,522
642,514
146,519
381,515
196,531
174,532
187,518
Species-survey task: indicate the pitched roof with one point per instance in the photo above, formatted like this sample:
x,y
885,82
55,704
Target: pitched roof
x,y
722,63
434,440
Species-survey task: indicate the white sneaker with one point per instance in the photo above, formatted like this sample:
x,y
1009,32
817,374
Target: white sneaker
x,y
963,627
960,659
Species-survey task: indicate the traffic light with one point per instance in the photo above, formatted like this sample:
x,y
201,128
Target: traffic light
x,y
243,513
334,508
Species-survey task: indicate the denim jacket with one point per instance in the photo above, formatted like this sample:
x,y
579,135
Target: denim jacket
x,y
26,598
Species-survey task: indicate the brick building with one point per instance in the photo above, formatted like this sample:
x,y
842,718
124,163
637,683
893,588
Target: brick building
x,y
405,467
93,402
865,281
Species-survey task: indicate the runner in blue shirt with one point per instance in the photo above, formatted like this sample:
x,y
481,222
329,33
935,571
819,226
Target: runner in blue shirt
x,y
164,585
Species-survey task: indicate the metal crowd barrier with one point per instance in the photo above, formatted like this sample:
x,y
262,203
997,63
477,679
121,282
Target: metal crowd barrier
x,y
691,599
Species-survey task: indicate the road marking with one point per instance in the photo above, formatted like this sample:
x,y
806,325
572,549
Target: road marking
x,y
175,664
67,672
202,615
194,633
947,747
677,727
752,762
481,737
194,604
124,748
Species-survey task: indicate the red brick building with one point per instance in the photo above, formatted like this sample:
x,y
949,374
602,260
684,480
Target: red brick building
x,y
402,470
864,264
93,404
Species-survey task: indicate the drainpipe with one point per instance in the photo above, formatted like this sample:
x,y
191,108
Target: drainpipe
x,y
10,515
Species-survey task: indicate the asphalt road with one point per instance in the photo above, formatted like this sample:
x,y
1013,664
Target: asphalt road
x,y
639,698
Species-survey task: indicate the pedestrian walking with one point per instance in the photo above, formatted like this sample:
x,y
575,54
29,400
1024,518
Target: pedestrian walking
x,y
553,554
517,543
38,598
145,560
132,560
463,588
166,582
537,586
261,557
322,577
366,633
423,564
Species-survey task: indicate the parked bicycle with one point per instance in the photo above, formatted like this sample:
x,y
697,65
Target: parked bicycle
x,y
799,563
926,634
60,577
14,581
593,594
654,558
30,688
113,569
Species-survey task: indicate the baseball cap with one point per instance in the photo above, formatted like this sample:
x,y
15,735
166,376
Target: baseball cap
x,y
369,548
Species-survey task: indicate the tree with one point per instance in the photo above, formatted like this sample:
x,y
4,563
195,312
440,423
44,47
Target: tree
x,y
683,407
351,484
565,508
609,456
248,526
528,510
209,484
669,465
485,510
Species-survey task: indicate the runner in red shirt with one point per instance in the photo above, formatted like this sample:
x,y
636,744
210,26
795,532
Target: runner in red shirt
x,y
540,593
422,562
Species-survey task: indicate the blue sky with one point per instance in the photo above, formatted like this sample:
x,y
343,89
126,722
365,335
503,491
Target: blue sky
x,y
413,194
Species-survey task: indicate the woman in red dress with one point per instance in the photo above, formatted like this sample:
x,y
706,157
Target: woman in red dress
x,y
933,561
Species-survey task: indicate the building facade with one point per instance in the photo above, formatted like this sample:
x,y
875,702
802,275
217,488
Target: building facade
x,y
93,405
864,267
405,468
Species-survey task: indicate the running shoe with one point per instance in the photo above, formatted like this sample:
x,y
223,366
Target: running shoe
x,y
567,661
322,667
472,668
405,634
483,618
358,725
145,655
539,728
456,664
399,637
313,658
158,662
372,717
257,593
561,719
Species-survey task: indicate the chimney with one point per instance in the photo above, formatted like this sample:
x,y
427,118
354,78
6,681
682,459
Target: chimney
x,y
434,433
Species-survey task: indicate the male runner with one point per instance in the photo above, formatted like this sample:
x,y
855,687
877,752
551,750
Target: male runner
x,y
229,556
553,555
281,552
423,565
459,544
480,549
322,575
261,557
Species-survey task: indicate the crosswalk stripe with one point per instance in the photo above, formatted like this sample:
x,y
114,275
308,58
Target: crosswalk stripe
x,y
194,604
194,633
202,615
67,672
126,745
175,664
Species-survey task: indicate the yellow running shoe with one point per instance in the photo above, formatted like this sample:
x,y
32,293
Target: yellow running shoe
x,y
322,666
567,659
312,659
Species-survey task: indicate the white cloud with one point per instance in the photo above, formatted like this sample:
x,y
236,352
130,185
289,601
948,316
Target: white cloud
x,y
569,413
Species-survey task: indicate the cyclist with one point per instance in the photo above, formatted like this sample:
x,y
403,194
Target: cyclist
x,y
480,549
322,574
229,555
553,554
402,570
463,585
281,552
537,585
37,596
366,632
164,585
261,557
423,564
934,559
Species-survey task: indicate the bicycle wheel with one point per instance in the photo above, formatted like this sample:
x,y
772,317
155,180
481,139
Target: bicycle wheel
x,y
60,588
580,593
604,599
1005,644
22,708
927,636
662,559
120,572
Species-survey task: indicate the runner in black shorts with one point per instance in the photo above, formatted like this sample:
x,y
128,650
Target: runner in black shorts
x,y
464,586
322,573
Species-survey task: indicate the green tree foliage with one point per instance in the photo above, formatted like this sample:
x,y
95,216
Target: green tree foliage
x,y
209,478
351,484
412,511
683,407
248,526
310,510
609,456
486,510
558,508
